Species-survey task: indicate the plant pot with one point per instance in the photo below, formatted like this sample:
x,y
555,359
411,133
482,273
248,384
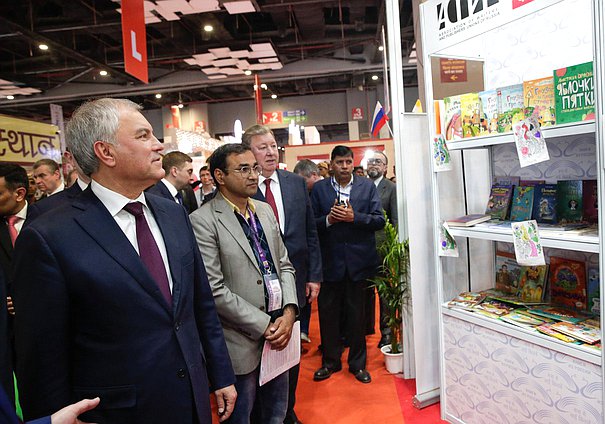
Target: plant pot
x,y
392,361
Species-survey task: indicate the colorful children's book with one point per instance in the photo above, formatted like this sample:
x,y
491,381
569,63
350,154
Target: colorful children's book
x,y
545,203
559,313
531,183
466,300
510,107
452,119
583,332
569,201
523,201
545,329
574,93
492,308
470,107
499,201
532,284
489,112
593,291
506,180
521,320
508,272
590,201
539,97
468,220
567,281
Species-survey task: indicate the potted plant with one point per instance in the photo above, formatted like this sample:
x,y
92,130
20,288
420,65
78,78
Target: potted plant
x,y
392,284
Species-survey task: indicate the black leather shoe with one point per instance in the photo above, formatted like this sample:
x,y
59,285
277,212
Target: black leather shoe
x,y
362,376
384,340
323,373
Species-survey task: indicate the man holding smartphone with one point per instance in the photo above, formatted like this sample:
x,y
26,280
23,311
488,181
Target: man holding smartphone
x,y
347,213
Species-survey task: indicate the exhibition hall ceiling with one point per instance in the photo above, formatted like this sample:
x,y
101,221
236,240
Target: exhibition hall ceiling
x,y
297,47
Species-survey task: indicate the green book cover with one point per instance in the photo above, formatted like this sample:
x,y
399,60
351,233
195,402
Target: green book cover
x,y
569,201
574,93
510,107
523,202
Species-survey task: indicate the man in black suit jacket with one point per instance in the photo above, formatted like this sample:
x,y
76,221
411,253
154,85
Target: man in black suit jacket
x,y
113,300
377,168
178,168
347,213
289,199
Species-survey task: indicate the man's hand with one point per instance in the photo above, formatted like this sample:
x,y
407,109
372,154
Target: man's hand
x,y
312,290
69,414
341,213
10,306
278,333
225,400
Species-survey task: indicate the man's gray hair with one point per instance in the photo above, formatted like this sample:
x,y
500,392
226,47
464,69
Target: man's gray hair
x,y
97,120
254,130
306,167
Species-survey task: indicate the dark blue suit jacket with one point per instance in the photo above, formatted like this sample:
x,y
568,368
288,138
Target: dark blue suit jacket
x,y
6,363
300,232
348,248
91,320
160,189
7,412
52,202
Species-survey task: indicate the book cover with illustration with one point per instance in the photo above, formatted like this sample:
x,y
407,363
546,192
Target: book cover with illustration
x,y
531,183
539,97
522,203
559,313
489,112
574,93
521,320
545,204
545,329
508,272
499,201
492,308
470,112
590,201
593,291
567,280
532,284
586,333
452,120
506,180
569,201
466,300
510,107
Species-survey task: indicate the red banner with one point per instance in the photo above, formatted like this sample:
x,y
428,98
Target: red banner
x,y
519,3
134,39
272,118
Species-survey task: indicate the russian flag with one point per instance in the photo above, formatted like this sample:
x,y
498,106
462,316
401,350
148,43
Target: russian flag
x,y
379,120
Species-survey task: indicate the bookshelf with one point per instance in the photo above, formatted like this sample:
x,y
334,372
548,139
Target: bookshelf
x,y
491,371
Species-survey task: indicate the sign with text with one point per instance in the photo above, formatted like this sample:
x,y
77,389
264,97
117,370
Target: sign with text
x,y
453,70
25,142
134,39
298,115
357,114
56,118
272,118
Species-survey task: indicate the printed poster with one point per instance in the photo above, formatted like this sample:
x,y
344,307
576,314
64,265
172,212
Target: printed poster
x,y
531,146
447,244
441,154
528,249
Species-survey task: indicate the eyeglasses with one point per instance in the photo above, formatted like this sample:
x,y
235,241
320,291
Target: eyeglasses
x,y
375,162
246,171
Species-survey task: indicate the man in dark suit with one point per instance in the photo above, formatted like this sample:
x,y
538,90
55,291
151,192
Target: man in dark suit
x,y
178,168
377,168
112,297
287,195
348,213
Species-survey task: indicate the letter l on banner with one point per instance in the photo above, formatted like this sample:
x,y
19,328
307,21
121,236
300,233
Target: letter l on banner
x,y
134,39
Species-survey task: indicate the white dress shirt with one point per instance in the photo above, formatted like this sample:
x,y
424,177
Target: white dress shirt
x,y
115,202
276,190
58,189
22,215
343,193
82,184
172,189
377,181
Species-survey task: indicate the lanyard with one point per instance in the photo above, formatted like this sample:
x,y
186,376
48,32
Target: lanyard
x,y
259,248
340,194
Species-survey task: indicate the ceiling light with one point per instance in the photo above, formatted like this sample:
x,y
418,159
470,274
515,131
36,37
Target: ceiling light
x,y
158,96
374,77
274,96
247,72
263,86
181,105
43,46
380,48
10,97
103,73
208,28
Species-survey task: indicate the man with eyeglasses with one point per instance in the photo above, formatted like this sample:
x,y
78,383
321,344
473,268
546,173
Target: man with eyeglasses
x,y
377,169
251,277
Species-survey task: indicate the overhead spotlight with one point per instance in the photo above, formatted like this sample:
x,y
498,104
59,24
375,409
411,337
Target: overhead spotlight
x,y
374,77
43,46
158,96
380,48
103,73
10,97
208,28
274,96
247,72
263,86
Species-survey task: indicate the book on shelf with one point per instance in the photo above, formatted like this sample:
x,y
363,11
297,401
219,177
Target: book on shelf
x,y
510,107
452,118
531,183
545,329
559,313
593,291
590,201
470,113
522,203
544,210
539,96
489,112
439,116
574,93
522,320
499,201
466,300
508,272
468,220
492,308
512,299
581,331
532,284
569,201
506,180
567,281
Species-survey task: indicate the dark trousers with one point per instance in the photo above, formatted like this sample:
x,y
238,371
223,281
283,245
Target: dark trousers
x,y
348,296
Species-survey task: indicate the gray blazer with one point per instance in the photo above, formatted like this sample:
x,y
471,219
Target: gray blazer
x,y
388,198
235,278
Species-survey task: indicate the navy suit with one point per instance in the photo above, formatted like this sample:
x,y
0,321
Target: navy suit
x,y
6,363
348,251
61,198
160,189
91,321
